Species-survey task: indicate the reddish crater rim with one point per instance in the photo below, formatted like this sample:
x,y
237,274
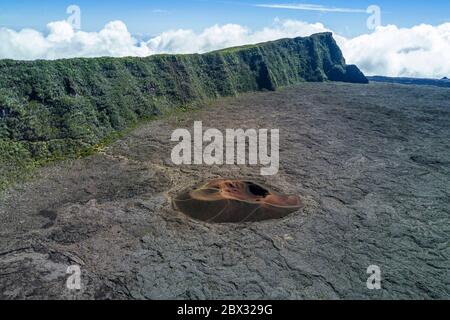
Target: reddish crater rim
x,y
228,200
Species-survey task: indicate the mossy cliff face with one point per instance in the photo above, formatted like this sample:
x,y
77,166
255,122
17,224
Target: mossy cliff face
x,y
54,109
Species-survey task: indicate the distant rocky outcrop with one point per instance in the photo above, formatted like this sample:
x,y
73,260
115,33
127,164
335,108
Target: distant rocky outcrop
x,y
444,82
52,109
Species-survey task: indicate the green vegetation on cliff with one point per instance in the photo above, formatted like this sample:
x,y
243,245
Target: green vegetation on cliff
x,y
55,109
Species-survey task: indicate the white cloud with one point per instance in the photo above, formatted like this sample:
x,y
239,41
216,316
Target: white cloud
x,y
218,37
310,7
420,51
62,41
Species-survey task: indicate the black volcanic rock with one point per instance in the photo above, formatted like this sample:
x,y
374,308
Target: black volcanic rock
x,y
369,163
445,82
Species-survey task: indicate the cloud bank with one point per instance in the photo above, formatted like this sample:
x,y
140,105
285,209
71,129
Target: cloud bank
x,y
420,51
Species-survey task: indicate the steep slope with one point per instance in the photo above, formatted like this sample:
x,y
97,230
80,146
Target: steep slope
x,y
53,109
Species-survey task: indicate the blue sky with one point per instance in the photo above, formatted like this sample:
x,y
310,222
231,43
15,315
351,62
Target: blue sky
x,y
152,17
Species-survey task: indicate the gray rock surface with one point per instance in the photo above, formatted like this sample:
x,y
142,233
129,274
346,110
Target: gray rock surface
x,y
370,162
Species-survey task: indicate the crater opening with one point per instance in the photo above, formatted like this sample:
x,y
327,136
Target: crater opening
x,y
226,200
257,190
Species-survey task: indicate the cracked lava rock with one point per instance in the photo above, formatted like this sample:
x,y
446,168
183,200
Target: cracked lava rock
x,y
370,164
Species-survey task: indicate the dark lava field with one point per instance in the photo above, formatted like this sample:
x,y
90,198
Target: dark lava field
x,y
370,164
